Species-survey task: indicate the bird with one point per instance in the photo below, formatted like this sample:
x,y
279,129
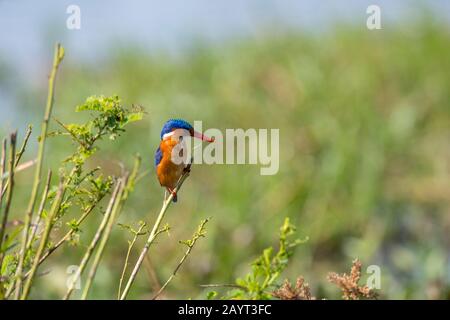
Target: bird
x,y
169,172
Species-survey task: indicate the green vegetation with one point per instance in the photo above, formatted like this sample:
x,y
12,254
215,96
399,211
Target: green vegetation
x,y
266,269
364,122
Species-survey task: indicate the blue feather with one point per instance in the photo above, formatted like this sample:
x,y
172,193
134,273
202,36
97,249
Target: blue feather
x,y
158,156
173,124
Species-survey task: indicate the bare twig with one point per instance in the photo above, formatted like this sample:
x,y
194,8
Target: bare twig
x,y
58,56
71,133
225,285
153,233
24,145
142,175
12,154
190,244
18,157
2,168
151,273
127,257
17,169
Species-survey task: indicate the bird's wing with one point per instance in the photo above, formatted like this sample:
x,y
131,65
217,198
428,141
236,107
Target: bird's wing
x,y
158,156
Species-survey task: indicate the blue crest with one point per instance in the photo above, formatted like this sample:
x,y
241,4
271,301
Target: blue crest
x,y
173,124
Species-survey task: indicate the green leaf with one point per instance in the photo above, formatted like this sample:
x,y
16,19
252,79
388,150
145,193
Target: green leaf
x,y
7,262
211,295
133,117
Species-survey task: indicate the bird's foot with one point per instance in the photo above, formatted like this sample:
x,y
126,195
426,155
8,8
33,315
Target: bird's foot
x,y
172,192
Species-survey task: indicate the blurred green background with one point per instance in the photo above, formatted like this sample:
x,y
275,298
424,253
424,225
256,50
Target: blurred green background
x,y
364,119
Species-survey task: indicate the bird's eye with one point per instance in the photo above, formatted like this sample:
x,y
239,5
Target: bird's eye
x,y
180,138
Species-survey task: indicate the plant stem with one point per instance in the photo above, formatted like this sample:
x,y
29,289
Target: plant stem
x,y
152,235
18,157
40,210
18,168
24,145
68,234
44,239
226,285
128,182
127,258
106,234
2,168
190,244
93,244
58,56
59,243
12,154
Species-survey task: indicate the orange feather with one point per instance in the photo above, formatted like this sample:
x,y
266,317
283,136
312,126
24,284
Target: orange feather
x,y
168,172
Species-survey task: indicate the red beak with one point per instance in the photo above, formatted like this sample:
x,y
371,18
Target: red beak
x,y
201,136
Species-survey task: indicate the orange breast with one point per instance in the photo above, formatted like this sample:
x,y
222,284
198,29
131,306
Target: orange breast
x,y
168,172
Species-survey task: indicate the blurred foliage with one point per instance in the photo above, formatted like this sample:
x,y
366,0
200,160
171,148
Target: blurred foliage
x,y
364,122
267,268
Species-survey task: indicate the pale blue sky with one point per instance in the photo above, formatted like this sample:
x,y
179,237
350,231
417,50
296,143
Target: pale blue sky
x,y
29,28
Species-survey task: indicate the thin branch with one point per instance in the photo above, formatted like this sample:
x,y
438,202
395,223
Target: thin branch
x,y
66,237
142,175
152,235
44,239
40,210
2,168
69,233
71,133
151,274
24,145
190,244
127,258
35,226
3,224
58,56
106,234
12,154
164,229
226,285
95,240
18,157
128,182
17,169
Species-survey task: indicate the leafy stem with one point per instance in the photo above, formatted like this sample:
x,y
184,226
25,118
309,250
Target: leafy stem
x,y
151,238
200,233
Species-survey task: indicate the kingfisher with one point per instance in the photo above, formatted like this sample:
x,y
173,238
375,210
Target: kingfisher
x,y
172,135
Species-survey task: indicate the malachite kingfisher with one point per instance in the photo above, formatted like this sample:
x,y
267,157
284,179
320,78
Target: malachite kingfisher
x,y
172,134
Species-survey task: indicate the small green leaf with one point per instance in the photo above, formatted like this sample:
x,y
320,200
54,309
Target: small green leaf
x,y
133,117
211,295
